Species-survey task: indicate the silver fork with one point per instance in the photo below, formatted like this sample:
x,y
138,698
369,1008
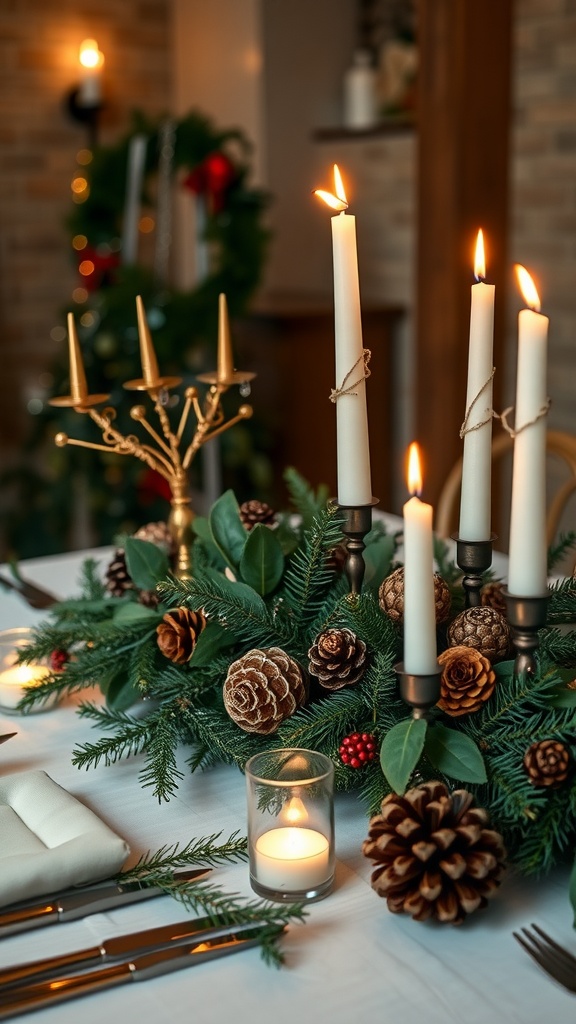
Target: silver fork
x,y
549,955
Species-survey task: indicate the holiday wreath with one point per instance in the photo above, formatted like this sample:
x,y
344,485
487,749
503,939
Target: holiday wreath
x,y
266,647
212,166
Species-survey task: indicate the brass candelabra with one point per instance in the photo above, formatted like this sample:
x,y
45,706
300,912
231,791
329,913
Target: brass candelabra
x,y
170,455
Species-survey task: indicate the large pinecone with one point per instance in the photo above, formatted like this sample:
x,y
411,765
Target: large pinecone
x,y
178,632
337,658
484,629
254,511
262,689
434,854
391,596
467,680
118,579
158,534
547,763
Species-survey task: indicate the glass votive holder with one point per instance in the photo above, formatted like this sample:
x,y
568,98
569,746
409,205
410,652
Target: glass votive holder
x,y
16,679
291,824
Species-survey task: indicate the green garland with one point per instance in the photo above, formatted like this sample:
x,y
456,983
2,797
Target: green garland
x,y
284,593
38,513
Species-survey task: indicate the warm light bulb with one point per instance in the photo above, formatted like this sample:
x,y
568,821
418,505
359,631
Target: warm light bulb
x,y
479,258
528,288
414,470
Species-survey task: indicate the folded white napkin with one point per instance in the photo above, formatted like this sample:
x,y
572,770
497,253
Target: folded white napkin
x,y
49,840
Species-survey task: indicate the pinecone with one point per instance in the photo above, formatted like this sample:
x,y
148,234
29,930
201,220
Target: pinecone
x,y
492,596
158,534
337,658
149,598
482,628
254,511
178,632
262,689
118,579
547,763
434,853
358,749
467,680
391,596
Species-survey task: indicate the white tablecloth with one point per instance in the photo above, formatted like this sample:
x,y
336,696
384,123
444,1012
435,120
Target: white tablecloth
x,y
351,961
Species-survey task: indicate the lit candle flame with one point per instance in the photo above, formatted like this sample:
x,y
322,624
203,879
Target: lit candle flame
x,y
528,288
338,201
90,56
479,258
414,470
295,813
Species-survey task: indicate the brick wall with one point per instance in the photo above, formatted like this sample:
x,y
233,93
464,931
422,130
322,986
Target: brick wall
x,y
39,42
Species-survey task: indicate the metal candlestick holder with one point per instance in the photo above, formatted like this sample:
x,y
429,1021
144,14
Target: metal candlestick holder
x,y
474,557
422,692
169,454
357,523
526,616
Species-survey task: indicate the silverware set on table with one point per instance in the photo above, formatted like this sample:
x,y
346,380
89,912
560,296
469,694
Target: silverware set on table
x,y
549,955
116,961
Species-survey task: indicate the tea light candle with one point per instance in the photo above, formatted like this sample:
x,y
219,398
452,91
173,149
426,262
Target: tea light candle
x,y
15,681
292,859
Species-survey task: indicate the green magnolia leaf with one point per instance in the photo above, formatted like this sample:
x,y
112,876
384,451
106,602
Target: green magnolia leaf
x,y
120,694
131,612
562,697
146,563
504,670
227,530
454,754
400,751
210,642
262,561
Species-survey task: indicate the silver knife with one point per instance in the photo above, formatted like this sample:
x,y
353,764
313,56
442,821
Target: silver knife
x,y
121,947
141,968
73,905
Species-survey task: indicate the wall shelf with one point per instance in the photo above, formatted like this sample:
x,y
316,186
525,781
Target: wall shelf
x,y
388,126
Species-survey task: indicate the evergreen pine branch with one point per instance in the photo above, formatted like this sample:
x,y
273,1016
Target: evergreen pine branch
x,y
90,582
558,647
305,500
562,600
198,851
322,725
161,773
371,624
245,621
217,732
559,549
308,576
133,737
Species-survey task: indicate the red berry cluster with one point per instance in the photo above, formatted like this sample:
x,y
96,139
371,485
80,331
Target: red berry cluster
x,y
357,749
58,659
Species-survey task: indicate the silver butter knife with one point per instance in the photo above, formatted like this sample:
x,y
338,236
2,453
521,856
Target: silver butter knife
x,y
73,905
141,968
120,947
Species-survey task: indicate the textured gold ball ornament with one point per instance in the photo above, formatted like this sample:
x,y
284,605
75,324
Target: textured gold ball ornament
x,y
434,854
391,597
483,628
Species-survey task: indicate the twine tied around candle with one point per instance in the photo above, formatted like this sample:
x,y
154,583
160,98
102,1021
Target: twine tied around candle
x,y
465,428
529,423
346,388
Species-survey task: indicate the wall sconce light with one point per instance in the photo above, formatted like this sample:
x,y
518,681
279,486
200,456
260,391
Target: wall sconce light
x,y
84,102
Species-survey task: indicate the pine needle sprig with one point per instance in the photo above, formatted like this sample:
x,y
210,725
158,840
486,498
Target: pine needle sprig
x,y
323,724
213,728
559,647
562,601
135,736
308,576
559,548
161,773
307,503
210,899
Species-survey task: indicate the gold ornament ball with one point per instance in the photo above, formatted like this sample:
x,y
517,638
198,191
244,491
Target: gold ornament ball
x,y
484,629
391,597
